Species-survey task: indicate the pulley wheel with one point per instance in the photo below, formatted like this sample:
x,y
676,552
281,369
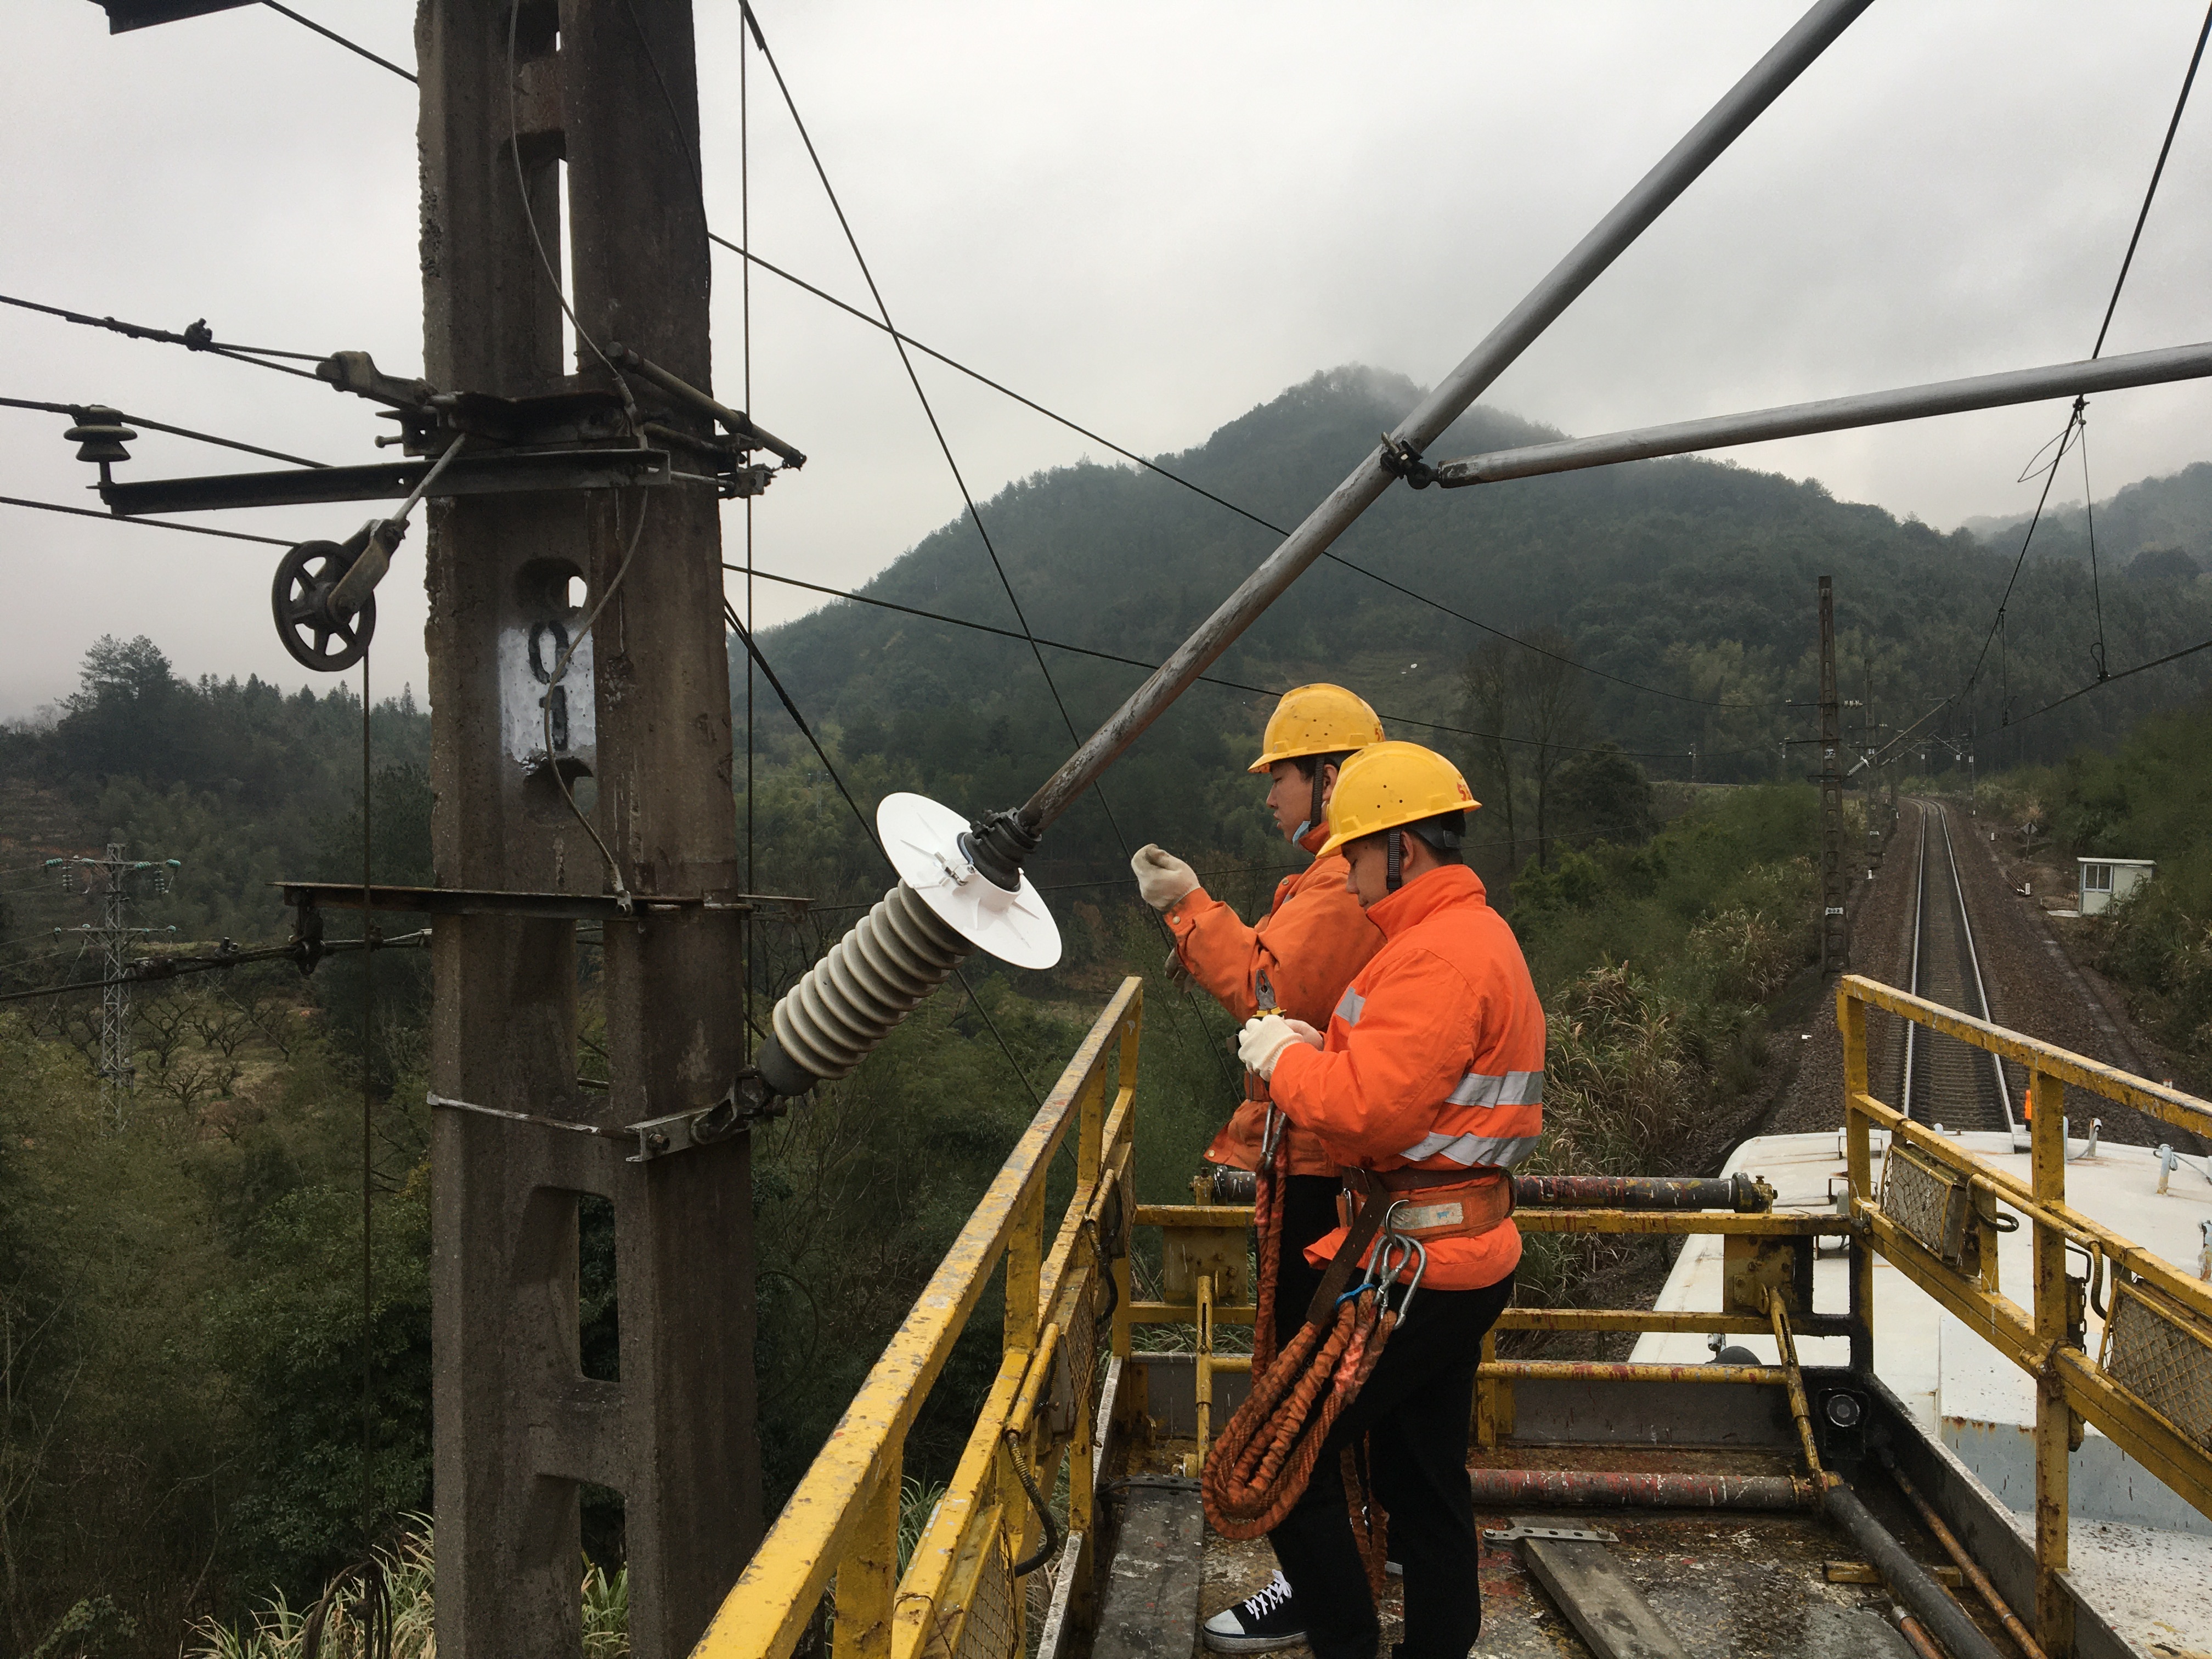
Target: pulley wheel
x,y
300,599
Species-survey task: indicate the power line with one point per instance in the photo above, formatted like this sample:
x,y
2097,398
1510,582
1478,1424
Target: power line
x,y
198,337
2075,419
1204,679
2156,172
77,411
2171,656
975,514
151,524
1196,487
329,34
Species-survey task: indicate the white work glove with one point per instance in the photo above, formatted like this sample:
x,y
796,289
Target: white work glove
x,y
1162,878
1265,1037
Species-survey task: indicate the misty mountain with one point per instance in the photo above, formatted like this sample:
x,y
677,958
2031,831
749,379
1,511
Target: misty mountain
x,y
1696,578
2169,515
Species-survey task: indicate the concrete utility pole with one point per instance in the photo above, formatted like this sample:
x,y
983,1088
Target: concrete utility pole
x,y
607,90
1835,934
111,877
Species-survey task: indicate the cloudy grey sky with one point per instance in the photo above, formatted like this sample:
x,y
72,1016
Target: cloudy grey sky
x,y
1150,215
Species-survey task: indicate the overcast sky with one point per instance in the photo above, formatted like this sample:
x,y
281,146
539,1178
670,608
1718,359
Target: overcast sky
x,y
1150,216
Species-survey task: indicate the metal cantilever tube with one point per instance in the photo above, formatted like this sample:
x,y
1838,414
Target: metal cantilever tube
x,y
1912,403
786,1063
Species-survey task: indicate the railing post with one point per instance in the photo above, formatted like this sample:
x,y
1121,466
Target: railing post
x,y
2054,1419
1486,1394
867,1573
1024,1273
1851,1022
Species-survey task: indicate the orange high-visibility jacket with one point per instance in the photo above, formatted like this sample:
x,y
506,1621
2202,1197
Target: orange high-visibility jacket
x,y
1313,939
1435,1061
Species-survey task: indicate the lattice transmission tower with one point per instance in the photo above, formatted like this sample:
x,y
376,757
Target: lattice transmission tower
x,y
110,879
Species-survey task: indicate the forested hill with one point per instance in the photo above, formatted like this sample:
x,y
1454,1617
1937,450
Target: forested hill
x,y
1693,576
2169,517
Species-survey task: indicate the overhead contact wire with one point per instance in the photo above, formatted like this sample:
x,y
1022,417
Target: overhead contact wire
x,y
945,447
76,412
1207,679
407,75
201,341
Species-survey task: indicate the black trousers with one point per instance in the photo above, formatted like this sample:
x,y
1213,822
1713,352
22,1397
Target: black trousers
x,y
1309,1213
1416,1409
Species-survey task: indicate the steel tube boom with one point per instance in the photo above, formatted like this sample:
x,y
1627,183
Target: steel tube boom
x,y
1911,402
1699,148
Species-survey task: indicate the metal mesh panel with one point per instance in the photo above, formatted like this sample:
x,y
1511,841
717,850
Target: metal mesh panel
x,y
1927,1200
1079,1343
2164,1361
988,1630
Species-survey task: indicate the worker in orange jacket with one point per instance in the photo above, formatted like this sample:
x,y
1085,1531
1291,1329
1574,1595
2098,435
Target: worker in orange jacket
x,y
1297,959
1428,1086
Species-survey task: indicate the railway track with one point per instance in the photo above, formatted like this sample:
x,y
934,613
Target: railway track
x,y
1945,1081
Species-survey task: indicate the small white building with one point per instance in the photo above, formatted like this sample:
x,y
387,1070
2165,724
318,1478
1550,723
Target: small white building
x,y
2102,883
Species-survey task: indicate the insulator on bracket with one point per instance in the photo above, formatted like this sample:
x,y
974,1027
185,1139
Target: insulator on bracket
x,y
871,980
944,908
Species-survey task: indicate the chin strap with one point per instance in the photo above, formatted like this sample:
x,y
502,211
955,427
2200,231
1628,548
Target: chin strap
x,y
1394,871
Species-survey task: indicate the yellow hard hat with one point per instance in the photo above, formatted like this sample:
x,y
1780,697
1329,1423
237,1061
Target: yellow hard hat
x,y
1316,720
1388,784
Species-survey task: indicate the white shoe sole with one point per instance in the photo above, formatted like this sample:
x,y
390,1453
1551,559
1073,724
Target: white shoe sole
x,y
1220,1643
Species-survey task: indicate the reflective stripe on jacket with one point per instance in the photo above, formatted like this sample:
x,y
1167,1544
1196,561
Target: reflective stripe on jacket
x,y
1434,1059
1313,939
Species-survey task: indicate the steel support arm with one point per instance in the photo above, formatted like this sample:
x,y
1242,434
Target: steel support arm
x,y
1911,402
1652,194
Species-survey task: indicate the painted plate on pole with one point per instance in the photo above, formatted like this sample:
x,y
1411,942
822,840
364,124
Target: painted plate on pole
x,y
923,840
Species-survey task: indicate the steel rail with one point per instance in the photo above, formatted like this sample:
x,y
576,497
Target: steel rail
x,y
1974,961
1697,149
1919,928
1911,402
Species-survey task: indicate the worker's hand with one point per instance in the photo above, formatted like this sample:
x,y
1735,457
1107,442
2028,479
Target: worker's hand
x,y
1266,1036
1162,878
1178,975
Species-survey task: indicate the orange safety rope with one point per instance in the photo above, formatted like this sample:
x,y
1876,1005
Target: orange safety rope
x,y
1264,1459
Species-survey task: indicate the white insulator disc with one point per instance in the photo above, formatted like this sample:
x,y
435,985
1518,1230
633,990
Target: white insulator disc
x,y
923,839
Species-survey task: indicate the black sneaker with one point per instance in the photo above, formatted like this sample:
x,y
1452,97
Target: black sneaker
x,y
1258,1624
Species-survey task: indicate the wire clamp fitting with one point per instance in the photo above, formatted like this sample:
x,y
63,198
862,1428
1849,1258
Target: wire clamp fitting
x,y
1402,460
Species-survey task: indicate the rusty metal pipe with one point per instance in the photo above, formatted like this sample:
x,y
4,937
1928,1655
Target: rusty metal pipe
x,y
1739,1193
1607,1489
1956,1552
1610,1370
1915,1632
1928,1601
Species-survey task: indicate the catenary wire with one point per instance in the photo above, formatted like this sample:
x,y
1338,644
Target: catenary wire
x,y
1197,489
2075,419
2112,679
902,341
76,412
752,650
1213,679
2157,172
952,465
151,524
199,341
332,34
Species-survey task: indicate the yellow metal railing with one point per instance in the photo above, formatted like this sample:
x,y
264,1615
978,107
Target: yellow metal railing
x,y
959,1595
1933,1219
